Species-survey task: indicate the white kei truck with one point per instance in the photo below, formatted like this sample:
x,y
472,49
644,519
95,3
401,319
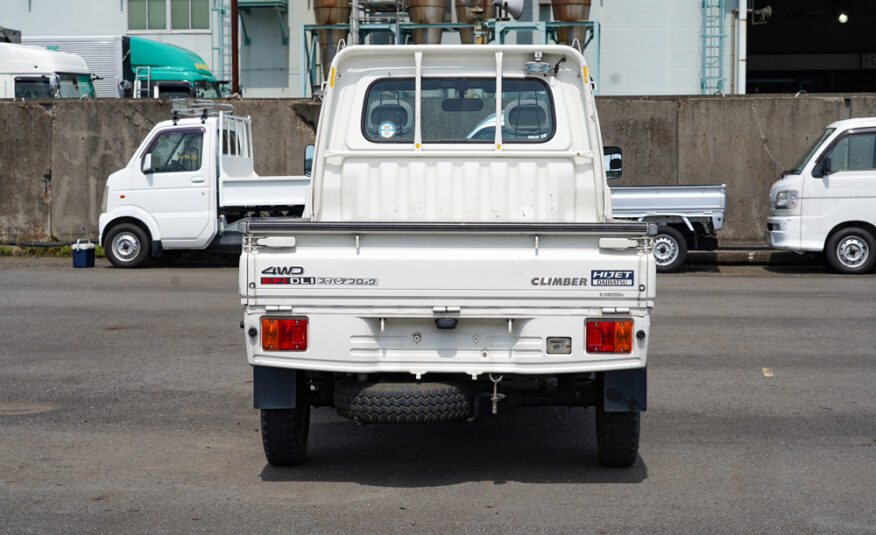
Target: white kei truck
x,y
190,185
434,277
827,201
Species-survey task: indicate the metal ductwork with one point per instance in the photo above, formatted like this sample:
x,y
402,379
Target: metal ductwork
x,y
427,12
464,14
330,12
570,11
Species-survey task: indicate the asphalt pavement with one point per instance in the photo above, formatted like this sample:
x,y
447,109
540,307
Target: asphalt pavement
x,y
125,407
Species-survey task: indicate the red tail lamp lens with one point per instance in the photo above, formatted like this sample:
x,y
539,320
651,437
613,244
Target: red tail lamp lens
x,y
609,336
284,334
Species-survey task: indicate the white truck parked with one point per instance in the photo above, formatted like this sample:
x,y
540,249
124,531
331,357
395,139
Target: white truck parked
x,y
827,201
435,277
687,217
190,185
31,72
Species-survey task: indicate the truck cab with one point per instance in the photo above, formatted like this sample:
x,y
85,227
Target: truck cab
x,y
827,201
31,72
162,70
189,186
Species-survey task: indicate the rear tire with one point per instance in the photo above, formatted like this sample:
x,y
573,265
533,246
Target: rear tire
x,y
284,435
127,246
617,438
670,250
851,250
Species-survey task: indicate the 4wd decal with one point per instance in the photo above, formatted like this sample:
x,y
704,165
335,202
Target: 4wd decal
x,y
283,270
611,278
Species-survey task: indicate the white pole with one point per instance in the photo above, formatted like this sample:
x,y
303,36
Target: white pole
x,y
354,23
741,43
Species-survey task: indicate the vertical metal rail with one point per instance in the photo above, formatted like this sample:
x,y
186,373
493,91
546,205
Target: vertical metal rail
x,y
221,39
713,35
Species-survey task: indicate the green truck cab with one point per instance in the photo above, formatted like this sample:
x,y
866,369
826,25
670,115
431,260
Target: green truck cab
x,y
161,70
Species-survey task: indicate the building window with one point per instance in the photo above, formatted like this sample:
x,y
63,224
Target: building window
x,y
182,14
147,15
190,14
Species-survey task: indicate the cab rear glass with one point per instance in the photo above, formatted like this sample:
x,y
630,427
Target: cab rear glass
x,y
459,110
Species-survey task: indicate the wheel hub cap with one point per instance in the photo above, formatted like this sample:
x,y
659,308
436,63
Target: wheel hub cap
x,y
126,246
665,250
852,251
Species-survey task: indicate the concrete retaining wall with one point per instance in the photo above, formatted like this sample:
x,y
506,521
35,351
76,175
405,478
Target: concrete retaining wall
x,y
25,157
744,142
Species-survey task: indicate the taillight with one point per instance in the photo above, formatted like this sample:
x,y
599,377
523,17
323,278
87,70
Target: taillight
x,y
284,334
609,336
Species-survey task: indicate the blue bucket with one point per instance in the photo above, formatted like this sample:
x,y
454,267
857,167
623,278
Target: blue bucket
x,y
83,254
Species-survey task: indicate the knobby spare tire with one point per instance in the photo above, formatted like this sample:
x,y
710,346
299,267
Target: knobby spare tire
x,y
391,403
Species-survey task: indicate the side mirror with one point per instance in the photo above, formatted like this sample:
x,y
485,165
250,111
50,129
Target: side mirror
x,y
826,166
308,160
146,166
613,162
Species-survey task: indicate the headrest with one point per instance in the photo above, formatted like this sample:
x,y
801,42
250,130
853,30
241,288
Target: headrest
x,y
527,118
396,112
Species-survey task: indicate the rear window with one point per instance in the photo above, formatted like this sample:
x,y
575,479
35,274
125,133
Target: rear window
x,y
459,111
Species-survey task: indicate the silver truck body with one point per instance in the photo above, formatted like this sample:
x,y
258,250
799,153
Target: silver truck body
x,y
687,217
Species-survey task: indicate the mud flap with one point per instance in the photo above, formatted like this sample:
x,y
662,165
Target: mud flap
x,y
273,388
625,390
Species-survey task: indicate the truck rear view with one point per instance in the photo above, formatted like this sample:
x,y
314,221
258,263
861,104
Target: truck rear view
x,y
456,258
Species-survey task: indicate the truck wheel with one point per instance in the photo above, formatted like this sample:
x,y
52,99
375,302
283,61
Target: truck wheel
x,y
127,246
284,435
851,250
391,403
617,438
670,249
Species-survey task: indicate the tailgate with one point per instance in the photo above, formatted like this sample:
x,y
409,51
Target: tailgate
x,y
452,264
372,294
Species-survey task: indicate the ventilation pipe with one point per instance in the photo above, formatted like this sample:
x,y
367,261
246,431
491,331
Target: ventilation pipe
x,y
570,11
330,12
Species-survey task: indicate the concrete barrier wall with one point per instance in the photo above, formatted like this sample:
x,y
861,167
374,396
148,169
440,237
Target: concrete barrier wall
x,y
25,157
744,142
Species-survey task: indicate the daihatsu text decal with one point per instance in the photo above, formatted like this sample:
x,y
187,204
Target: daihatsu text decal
x,y
611,278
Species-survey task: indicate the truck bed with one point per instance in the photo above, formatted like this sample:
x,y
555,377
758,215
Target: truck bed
x,y
259,191
640,202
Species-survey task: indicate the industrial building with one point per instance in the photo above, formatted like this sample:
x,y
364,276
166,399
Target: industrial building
x,y
635,47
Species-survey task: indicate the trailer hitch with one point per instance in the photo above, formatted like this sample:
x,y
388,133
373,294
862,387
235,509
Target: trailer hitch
x,y
496,397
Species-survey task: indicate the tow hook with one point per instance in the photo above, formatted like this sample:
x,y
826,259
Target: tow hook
x,y
496,397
